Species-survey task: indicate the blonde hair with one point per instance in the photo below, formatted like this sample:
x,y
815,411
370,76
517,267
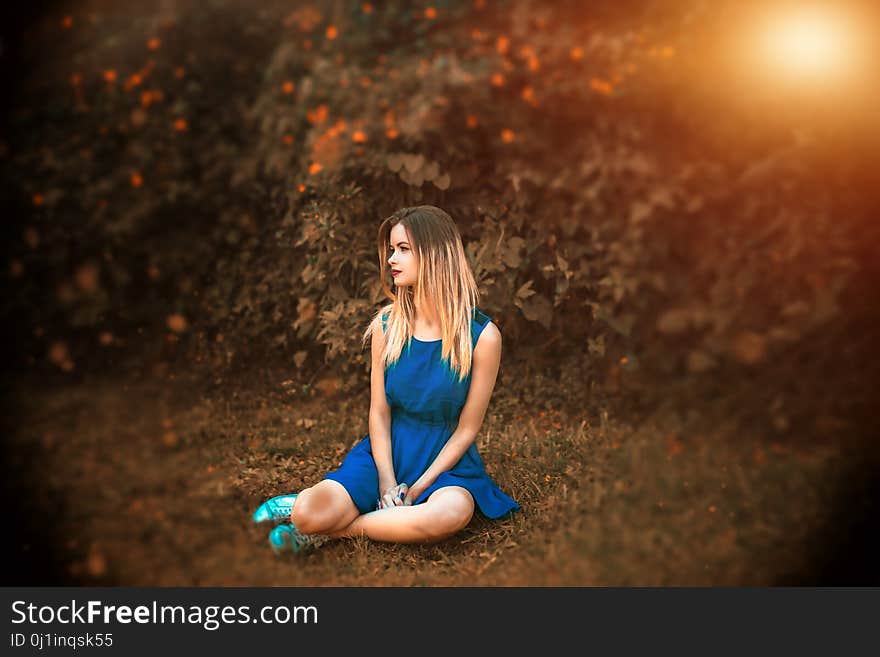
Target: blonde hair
x,y
445,282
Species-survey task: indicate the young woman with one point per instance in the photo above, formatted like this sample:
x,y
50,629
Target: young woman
x,y
417,476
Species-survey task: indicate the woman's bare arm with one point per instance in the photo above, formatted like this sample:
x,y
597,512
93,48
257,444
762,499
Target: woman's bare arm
x,y
380,413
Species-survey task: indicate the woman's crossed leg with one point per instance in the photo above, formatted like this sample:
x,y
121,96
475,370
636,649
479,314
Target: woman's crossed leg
x,y
326,508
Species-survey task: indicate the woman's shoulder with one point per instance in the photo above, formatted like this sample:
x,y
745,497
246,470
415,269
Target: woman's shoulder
x,y
480,317
482,323
383,316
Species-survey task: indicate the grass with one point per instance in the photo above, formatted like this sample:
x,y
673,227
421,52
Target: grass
x,y
156,479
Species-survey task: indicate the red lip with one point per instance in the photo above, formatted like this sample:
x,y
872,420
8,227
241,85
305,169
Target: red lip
x,y
394,273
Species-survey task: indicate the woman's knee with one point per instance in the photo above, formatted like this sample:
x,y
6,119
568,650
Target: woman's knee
x,y
452,513
323,508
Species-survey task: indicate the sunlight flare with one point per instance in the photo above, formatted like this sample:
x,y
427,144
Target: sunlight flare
x,y
809,46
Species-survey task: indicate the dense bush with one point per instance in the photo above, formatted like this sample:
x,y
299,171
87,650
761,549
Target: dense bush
x,y
216,177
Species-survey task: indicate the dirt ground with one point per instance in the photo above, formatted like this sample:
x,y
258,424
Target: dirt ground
x,y
150,480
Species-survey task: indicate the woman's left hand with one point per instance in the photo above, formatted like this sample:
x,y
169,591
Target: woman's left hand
x,y
413,494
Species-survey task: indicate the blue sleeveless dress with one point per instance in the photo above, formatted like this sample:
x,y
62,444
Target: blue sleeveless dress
x,y
426,399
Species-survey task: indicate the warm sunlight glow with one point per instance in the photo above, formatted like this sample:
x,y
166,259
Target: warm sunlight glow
x,y
809,46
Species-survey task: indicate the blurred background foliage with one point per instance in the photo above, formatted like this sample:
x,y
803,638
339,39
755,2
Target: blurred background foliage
x,y
203,183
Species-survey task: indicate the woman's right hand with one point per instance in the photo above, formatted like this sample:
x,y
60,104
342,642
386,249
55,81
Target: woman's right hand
x,y
393,496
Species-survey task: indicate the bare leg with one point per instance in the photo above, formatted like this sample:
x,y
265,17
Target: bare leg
x,y
324,508
445,512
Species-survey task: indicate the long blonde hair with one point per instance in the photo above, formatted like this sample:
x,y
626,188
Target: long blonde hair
x,y
445,282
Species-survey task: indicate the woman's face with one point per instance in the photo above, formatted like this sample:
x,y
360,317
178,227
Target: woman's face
x,y
402,258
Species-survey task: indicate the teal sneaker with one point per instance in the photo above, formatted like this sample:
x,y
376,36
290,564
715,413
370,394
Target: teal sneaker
x,y
276,509
287,538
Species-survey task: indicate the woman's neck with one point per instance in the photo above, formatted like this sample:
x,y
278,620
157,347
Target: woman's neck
x,y
427,316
